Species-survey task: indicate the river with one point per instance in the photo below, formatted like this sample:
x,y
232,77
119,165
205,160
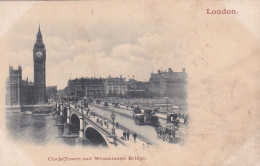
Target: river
x,y
36,129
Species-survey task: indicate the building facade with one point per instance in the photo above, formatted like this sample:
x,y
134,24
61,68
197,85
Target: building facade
x,y
22,92
13,86
169,83
85,87
134,85
94,88
51,92
39,59
18,91
115,86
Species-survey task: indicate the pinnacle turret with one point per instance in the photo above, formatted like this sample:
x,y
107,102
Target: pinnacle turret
x,y
39,42
39,31
39,35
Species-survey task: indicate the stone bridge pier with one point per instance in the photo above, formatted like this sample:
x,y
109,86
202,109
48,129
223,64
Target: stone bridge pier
x,y
76,125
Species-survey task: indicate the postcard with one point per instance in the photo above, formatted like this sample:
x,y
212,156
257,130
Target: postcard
x,y
130,83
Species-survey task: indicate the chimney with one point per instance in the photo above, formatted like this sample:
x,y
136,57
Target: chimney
x,y
183,70
159,71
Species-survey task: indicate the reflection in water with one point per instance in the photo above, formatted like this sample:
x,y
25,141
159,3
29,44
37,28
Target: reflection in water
x,y
31,128
37,129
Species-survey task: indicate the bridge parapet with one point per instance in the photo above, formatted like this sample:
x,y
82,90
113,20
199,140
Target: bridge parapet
x,y
86,120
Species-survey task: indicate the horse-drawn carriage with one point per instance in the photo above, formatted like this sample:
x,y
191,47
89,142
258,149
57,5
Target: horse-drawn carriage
x,y
147,117
106,104
167,131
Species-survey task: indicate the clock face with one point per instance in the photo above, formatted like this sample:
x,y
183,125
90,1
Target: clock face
x,y
39,54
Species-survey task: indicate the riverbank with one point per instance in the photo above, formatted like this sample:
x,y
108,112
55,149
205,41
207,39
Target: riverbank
x,y
40,108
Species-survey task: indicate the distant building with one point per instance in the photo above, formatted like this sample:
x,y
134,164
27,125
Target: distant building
x,y
94,88
115,86
134,85
85,87
39,60
138,89
51,91
61,93
18,91
13,86
169,84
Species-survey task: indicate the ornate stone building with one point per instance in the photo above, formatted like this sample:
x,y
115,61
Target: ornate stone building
x,y
21,92
39,58
115,86
85,87
169,84
18,91
13,86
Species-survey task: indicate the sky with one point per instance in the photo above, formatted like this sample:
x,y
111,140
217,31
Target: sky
x,y
90,40
98,39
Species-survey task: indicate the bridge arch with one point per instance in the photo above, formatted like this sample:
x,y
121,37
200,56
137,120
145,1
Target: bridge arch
x,y
75,123
95,136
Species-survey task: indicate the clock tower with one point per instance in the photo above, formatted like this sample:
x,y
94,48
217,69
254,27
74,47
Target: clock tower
x,y
39,59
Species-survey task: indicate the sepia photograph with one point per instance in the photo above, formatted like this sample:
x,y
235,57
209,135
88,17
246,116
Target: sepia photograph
x,y
130,82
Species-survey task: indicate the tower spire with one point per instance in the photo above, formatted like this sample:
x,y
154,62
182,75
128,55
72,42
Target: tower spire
x,y
39,34
39,42
39,30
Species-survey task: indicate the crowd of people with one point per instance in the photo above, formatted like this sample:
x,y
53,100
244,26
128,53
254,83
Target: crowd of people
x,y
126,135
104,122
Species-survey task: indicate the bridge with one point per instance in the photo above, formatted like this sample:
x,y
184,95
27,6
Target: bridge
x,y
78,123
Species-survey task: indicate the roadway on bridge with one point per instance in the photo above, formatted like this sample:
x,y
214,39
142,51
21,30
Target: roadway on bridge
x,y
140,141
129,113
124,118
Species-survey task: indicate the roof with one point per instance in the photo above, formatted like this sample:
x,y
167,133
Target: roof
x,y
169,76
113,81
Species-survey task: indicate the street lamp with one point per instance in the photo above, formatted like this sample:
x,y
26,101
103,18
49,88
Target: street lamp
x,y
167,102
83,105
113,117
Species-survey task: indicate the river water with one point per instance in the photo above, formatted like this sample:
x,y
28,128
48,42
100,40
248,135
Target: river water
x,y
35,129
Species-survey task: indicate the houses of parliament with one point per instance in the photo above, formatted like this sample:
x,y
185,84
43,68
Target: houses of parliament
x,y
22,92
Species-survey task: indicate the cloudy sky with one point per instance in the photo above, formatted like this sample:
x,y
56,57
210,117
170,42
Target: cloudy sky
x,y
91,40
98,39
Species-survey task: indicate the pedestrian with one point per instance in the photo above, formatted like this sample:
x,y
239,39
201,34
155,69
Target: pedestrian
x,y
148,144
135,136
127,134
94,114
117,125
97,120
143,146
124,134
105,121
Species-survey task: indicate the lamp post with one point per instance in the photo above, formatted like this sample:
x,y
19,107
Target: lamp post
x,y
167,102
113,117
82,106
